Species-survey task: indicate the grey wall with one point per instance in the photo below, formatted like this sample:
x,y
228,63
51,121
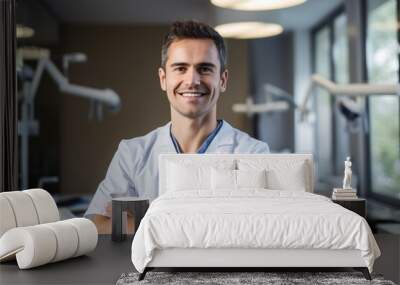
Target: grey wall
x,y
271,61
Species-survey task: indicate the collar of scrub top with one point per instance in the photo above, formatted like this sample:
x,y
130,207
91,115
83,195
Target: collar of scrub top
x,y
222,143
203,148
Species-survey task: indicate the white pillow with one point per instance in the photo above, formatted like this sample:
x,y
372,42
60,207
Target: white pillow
x,y
225,179
290,179
282,174
185,174
181,178
251,178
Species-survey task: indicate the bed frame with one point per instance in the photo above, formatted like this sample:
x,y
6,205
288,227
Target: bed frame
x,y
246,258
243,259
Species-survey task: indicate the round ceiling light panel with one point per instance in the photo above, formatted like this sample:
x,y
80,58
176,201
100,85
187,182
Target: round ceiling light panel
x,y
249,30
256,5
24,32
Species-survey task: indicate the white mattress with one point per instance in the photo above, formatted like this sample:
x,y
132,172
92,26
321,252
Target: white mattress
x,y
252,218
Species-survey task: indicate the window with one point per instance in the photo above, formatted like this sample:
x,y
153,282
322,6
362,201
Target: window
x,y
340,75
330,57
323,103
383,67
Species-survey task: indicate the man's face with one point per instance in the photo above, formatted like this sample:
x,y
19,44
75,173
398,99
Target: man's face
x,y
192,77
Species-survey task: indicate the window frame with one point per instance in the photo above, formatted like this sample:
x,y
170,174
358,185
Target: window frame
x,y
369,193
328,22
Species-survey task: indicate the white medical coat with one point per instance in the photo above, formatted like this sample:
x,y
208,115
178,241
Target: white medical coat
x,y
133,170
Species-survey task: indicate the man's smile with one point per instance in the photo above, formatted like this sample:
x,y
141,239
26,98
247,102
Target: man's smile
x,y
191,93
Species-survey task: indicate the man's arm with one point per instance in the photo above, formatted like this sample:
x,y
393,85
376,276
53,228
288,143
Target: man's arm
x,y
103,223
117,181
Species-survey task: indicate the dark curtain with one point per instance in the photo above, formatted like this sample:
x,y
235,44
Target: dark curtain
x,y
8,98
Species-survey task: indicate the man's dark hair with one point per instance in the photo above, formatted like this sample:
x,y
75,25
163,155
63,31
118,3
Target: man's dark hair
x,y
193,30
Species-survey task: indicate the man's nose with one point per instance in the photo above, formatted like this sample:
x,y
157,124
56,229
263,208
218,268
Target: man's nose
x,y
192,77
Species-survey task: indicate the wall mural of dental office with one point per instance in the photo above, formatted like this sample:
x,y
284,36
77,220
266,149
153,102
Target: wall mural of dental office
x,y
88,81
144,125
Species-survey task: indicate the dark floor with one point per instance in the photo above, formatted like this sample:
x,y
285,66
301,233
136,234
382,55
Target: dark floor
x,y
389,262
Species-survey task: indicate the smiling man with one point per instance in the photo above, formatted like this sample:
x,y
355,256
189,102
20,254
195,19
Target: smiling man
x,y
193,74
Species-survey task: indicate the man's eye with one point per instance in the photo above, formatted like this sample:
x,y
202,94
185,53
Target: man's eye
x,y
180,69
205,70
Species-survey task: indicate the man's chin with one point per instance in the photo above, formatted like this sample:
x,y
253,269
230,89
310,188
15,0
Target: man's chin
x,y
193,114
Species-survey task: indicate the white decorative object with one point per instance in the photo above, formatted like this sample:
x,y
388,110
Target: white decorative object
x,y
31,233
67,237
87,235
37,245
23,208
347,174
45,205
26,208
7,219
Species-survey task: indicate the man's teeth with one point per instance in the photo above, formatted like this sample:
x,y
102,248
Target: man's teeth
x,y
191,94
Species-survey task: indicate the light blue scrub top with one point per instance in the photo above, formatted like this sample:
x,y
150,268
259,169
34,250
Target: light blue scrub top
x,y
133,170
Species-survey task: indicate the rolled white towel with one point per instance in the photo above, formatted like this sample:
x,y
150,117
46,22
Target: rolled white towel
x,y
40,244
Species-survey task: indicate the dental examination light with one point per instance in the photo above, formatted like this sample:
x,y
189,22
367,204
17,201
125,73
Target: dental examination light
x,y
105,96
28,125
72,58
349,108
277,93
277,100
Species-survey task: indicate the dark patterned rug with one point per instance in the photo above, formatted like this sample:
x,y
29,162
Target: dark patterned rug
x,y
229,278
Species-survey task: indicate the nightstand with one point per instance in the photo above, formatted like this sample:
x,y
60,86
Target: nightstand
x,y
358,205
137,206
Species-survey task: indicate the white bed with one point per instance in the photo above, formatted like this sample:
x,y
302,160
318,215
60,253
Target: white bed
x,y
201,220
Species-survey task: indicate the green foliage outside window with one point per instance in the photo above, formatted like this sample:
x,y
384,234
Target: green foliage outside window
x,y
383,64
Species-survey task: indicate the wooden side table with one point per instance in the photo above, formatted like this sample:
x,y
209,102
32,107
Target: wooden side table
x,y
358,205
120,206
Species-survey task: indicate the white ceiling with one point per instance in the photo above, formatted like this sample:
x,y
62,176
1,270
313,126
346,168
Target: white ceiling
x,y
116,12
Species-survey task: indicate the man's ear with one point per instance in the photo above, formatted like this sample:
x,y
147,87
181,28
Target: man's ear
x,y
161,75
224,80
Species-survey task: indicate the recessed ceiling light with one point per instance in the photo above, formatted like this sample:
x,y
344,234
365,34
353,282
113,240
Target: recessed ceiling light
x,y
24,32
249,30
256,5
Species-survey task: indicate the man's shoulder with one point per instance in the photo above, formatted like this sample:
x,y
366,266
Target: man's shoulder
x,y
142,143
245,143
